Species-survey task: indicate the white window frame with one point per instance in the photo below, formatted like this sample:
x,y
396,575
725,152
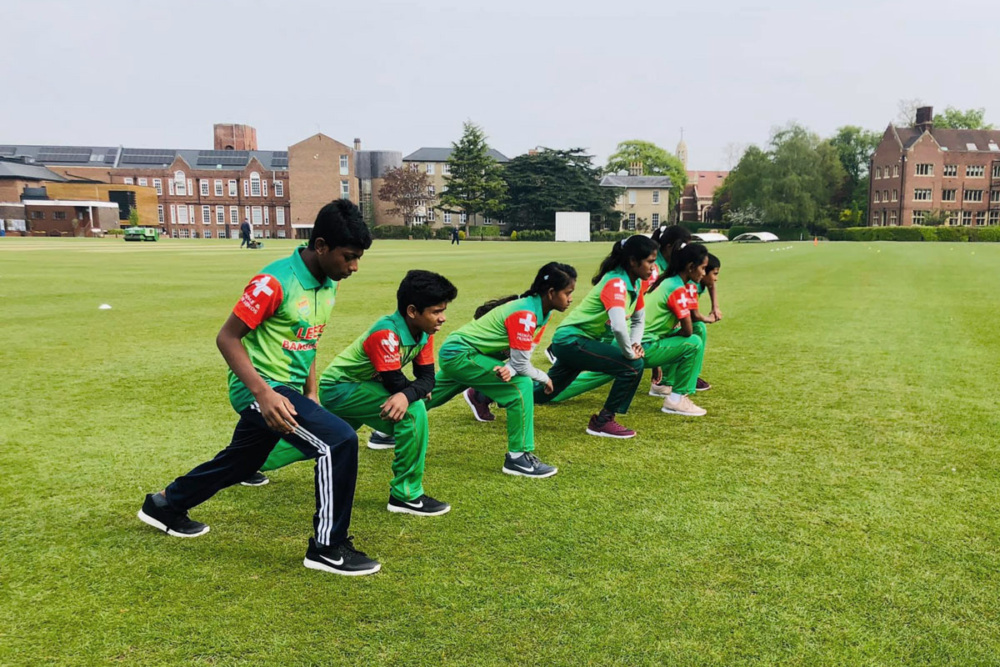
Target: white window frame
x,y
143,181
263,188
996,170
206,215
182,215
925,169
895,194
447,217
918,217
950,171
922,194
218,187
203,186
430,168
180,184
267,215
975,171
208,233
345,165
655,220
631,196
234,215
972,196
631,222
233,187
463,218
980,218
254,184
128,180
345,189
159,213
279,216
256,216
966,218
895,170
246,187
949,194
158,185
173,214
656,196
220,215
170,186
281,233
892,218
878,197
995,196
994,217
446,168
279,188
878,173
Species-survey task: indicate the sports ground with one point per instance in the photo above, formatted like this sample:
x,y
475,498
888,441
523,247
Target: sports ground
x,y
837,505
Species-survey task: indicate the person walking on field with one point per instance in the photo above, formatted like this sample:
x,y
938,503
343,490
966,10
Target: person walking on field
x,y
454,236
245,233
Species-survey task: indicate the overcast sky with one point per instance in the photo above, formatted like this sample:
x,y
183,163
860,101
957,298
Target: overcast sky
x,y
567,73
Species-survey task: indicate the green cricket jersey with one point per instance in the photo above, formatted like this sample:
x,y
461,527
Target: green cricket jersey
x,y
515,325
590,318
667,305
286,308
387,346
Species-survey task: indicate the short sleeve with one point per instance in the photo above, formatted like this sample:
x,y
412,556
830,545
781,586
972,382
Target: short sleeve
x,y
614,294
641,302
680,303
426,355
539,332
382,348
520,327
261,299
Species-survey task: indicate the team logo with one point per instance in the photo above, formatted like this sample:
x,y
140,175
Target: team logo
x,y
390,343
303,306
692,290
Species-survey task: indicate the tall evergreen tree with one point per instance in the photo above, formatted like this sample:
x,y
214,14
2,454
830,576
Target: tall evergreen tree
x,y
475,183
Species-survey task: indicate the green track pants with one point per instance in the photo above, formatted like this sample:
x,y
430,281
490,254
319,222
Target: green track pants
x,y
578,356
699,330
359,403
462,367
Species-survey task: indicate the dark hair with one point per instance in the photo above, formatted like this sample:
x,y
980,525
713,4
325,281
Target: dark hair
x,y
551,276
713,263
423,289
682,255
667,237
637,248
340,224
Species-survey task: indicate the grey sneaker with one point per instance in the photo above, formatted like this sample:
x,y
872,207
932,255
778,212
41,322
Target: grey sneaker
x,y
380,440
527,465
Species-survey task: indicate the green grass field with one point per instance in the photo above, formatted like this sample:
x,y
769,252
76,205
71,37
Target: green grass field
x,y
837,506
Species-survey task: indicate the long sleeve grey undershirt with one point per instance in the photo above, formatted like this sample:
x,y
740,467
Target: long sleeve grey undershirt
x,y
638,325
616,316
520,364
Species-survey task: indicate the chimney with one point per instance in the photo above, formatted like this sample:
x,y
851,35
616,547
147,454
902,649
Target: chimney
x,y
925,119
635,169
357,143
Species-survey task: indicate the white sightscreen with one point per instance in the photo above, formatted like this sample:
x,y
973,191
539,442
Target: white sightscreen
x,y
572,226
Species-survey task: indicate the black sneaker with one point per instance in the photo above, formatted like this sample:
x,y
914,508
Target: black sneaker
x,y
550,355
341,559
160,515
422,506
380,440
527,465
256,479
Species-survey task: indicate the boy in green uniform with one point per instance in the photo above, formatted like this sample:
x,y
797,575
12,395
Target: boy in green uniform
x,y
473,360
269,343
579,342
365,384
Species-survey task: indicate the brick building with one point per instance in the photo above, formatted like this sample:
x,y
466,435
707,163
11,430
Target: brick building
x,y
920,170
696,201
322,169
434,161
16,175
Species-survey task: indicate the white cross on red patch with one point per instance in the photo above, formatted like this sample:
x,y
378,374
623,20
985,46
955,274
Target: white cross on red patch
x,y
683,301
390,342
261,286
528,322
692,290
620,286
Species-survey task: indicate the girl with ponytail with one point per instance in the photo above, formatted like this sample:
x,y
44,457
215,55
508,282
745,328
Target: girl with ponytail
x,y
489,359
613,309
669,341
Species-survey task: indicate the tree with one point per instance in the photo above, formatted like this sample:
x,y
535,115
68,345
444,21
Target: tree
x,y
906,115
936,218
655,161
475,184
542,183
406,189
133,217
956,119
854,147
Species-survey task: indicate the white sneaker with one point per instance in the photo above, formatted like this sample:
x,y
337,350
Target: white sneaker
x,y
660,390
682,407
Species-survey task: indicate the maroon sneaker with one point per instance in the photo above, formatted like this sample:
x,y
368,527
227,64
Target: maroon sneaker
x,y
480,410
702,385
610,429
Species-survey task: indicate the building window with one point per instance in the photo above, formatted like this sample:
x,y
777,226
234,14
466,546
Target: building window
x,y
203,186
921,194
173,214
38,215
158,185
430,168
208,233
59,215
631,222
952,219
232,187
143,181
206,215
995,197
218,188
170,183
878,172
281,233
173,233
279,188
159,213
892,217
948,195
267,215
246,188
220,215
895,170
996,170
279,216
431,191
631,196
918,217
447,217
462,218
656,196
925,169
875,218
430,215
234,215
951,170
246,212
975,171
255,184
445,168
185,234
656,220
182,215
966,218
973,195
895,195
180,183
345,189
994,217
128,180
878,197
344,165
263,187
980,218
256,217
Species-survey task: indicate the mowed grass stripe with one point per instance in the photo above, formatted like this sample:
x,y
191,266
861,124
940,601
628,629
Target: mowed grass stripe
x,y
834,507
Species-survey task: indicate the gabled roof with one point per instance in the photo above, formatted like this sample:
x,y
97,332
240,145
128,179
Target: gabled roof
x,y
615,181
955,141
705,182
143,158
428,154
27,172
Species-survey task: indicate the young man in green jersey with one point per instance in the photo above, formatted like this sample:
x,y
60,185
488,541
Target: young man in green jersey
x,y
269,343
365,384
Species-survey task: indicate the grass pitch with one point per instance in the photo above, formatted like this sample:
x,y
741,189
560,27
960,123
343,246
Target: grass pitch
x,y
837,505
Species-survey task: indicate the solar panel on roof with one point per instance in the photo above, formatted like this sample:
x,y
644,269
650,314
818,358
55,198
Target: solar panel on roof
x,y
147,156
52,156
8,150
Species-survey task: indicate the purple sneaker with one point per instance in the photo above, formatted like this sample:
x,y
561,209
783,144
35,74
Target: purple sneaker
x,y
610,429
480,410
702,385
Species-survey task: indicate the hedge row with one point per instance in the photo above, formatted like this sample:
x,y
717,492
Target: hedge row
x,y
916,233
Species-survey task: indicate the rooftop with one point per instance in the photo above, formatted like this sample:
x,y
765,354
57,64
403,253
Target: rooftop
x,y
615,181
27,172
428,154
142,158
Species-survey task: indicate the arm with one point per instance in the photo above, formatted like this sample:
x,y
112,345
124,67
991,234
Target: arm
x,y
277,410
638,326
715,312
687,328
520,363
616,316
311,390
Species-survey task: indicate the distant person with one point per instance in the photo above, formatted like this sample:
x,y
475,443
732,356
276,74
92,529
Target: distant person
x,y
454,236
245,234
